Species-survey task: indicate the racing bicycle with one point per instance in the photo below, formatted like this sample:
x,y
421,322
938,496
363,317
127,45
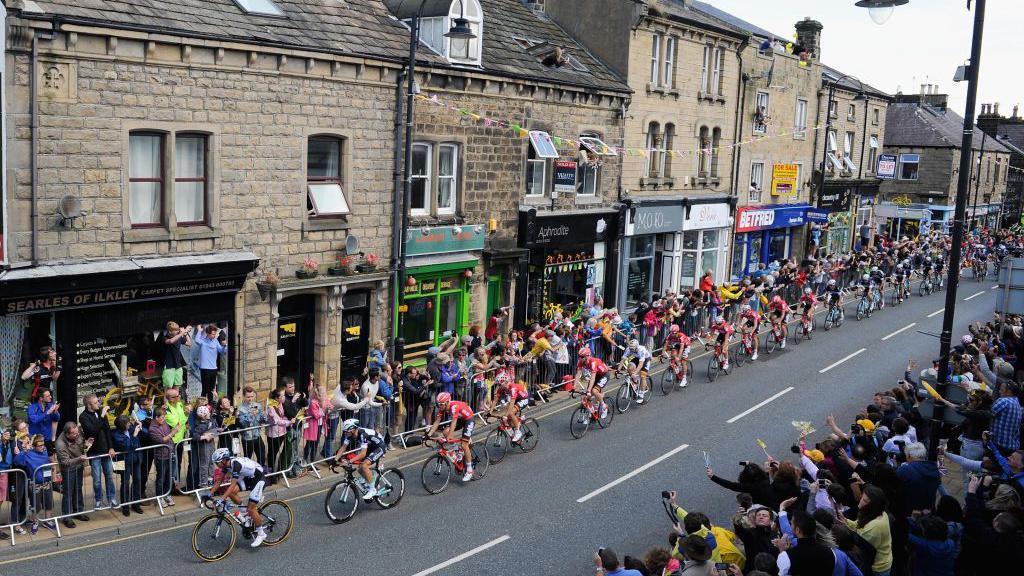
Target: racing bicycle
x,y
673,375
629,392
449,457
214,536
500,439
775,336
834,316
746,349
589,411
718,361
804,329
344,497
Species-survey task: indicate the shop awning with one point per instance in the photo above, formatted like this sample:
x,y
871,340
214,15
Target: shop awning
x,y
104,282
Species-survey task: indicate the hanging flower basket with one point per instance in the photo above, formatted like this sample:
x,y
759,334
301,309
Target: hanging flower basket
x,y
309,269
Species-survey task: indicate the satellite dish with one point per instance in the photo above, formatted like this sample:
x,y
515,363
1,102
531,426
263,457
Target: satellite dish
x,y
69,208
352,244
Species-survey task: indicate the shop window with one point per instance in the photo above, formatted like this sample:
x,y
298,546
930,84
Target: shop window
x,y
872,153
640,270
831,160
909,164
756,182
761,113
800,120
655,58
716,142
435,309
145,179
703,152
848,141
325,193
669,79
190,179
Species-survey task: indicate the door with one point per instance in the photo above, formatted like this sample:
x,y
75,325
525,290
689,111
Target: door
x,y
494,299
355,332
295,326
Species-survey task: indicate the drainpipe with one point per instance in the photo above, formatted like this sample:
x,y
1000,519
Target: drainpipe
x,y
863,139
741,98
34,151
397,236
625,115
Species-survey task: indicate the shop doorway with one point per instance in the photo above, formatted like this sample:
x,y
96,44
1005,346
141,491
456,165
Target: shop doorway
x,y
295,326
355,332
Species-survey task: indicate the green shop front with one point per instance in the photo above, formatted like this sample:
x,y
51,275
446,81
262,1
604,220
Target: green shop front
x,y
441,264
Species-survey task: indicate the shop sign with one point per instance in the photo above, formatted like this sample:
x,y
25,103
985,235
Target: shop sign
x,y
835,199
817,215
27,304
752,219
568,229
655,220
784,177
707,216
565,176
886,167
444,239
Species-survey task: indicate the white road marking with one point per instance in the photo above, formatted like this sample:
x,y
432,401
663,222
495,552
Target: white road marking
x,y
463,556
974,295
840,361
622,479
755,407
907,327
937,312
994,288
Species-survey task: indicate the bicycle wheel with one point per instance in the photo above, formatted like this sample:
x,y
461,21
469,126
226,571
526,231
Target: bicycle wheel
x,y
606,420
829,319
342,501
799,333
862,309
894,298
481,460
770,343
713,368
213,538
278,520
624,398
436,473
580,422
497,445
668,381
390,488
741,355
531,434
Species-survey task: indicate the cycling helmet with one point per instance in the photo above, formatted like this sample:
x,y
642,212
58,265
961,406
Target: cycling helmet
x,y
444,398
874,268
673,328
583,352
634,344
866,277
899,266
744,308
967,339
832,282
807,290
501,378
352,423
220,455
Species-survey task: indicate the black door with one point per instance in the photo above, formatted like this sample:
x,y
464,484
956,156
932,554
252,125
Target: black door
x,y
355,332
295,325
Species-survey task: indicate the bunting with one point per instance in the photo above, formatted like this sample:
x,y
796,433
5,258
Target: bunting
x,y
572,144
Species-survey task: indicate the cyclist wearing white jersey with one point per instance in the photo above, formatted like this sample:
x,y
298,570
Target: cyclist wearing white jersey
x,y
638,362
245,474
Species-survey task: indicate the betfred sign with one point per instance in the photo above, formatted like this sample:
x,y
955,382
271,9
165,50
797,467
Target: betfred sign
x,y
753,218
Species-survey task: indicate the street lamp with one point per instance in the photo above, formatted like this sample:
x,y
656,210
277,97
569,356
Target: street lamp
x,y
881,10
962,191
460,30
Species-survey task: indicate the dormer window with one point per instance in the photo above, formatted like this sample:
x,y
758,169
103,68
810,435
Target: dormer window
x,y
434,26
259,7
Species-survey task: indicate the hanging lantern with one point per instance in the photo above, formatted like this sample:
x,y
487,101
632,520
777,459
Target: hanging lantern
x,y
468,274
410,281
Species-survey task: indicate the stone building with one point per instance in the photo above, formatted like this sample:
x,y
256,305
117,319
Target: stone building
x,y
923,149
1010,133
182,161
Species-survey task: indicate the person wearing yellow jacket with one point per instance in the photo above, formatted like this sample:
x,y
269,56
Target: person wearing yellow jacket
x,y
722,541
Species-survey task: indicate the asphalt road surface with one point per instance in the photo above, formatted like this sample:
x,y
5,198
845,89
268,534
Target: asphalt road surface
x,y
546,512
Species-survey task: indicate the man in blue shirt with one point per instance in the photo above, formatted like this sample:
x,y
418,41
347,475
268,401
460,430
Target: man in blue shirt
x,y
210,346
1006,419
608,564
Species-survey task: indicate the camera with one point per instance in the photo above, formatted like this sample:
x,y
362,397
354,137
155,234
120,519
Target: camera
x,y
744,462
666,494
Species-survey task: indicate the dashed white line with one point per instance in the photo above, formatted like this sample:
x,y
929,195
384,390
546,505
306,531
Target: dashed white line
x,y
937,312
840,361
907,327
974,295
755,407
463,556
622,479
996,287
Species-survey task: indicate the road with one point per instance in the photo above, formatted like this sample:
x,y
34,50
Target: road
x,y
548,511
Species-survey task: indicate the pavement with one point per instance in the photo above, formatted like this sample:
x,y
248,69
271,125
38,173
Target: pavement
x,y
548,511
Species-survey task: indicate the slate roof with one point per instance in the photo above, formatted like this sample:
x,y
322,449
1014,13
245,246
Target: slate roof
x,y
1014,137
735,22
676,9
829,74
912,125
361,28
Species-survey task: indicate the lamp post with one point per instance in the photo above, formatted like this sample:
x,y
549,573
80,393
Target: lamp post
x,y
460,30
962,191
860,97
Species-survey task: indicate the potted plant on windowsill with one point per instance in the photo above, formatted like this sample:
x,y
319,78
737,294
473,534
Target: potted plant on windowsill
x,y
369,264
309,269
268,283
344,267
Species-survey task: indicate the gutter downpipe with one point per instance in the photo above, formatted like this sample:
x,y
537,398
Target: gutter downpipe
x,y
398,205
741,99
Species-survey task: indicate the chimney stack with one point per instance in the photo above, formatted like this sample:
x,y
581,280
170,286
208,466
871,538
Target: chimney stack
x,y
924,89
995,109
808,35
1016,108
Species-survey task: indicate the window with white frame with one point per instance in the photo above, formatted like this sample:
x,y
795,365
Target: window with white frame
x,y
462,50
848,141
422,162
592,151
716,142
873,146
666,146
157,168
538,156
669,80
447,177
653,150
705,70
717,77
761,113
909,166
259,7
832,162
851,112
190,171
874,116
833,108
435,179
756,182
655,59
325,192
800,120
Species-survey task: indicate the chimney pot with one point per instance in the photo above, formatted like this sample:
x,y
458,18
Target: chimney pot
x,y
995,109
924,89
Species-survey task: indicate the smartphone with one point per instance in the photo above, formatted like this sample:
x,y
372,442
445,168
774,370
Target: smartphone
x,y
721,566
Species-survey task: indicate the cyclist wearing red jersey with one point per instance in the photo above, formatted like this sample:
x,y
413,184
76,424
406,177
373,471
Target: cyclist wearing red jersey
x,y
677,346
595,373
807,302
778,310
749,322
723,330
461,416
510,399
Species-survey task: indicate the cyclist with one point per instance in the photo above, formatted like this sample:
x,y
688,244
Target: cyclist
x,y
245,474
878,280
510,399
461,416
724,330
901,276
749,322
638,363
807,302
371,448
595,373
777,312
677,346
834,295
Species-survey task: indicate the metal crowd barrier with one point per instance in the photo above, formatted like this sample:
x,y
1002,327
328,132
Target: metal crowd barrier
x,y
18,498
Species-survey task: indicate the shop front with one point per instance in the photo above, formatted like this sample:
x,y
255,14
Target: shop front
x,y
102,313
765,234
568,264
912,219
440,267
836,232
705,241
650,250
